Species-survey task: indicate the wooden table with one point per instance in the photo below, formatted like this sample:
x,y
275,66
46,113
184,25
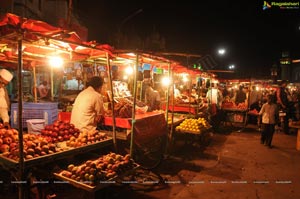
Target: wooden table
x,y
297,126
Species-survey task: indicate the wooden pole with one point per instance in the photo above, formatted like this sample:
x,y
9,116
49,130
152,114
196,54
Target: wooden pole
x,y
112,101
34,83
20,118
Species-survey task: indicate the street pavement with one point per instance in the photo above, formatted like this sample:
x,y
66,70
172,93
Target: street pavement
x,y
233,164
229,164
247,169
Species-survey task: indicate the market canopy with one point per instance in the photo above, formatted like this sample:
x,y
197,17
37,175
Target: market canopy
x,y
41,41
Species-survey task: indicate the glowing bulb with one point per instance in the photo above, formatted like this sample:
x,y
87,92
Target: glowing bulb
x,y
129,70
55,62
166,81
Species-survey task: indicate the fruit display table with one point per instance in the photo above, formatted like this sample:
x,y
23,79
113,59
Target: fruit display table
x,y
186,108
147,125
99,173
65,152
193,130
150,135
235,115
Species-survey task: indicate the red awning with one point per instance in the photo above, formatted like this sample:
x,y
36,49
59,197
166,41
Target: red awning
x,y
42,40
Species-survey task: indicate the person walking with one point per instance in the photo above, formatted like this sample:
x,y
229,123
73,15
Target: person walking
x,y
270,115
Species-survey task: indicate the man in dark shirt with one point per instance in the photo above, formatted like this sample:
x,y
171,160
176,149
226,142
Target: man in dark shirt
x,y
282,101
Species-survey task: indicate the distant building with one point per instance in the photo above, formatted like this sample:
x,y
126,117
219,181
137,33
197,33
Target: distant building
x,y
289,68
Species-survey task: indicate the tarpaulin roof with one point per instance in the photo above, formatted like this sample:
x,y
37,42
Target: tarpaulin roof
x,y
41,40
122,56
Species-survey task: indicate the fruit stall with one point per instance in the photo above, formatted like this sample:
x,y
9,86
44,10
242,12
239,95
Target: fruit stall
x,y
26,154
189,103
235,113
52,149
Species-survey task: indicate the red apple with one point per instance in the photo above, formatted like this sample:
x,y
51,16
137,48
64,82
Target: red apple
x,y
60,138
4,148
54,134
7,140
61,127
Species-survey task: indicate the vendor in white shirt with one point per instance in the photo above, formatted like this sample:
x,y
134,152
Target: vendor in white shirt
x,y
88,108
5,78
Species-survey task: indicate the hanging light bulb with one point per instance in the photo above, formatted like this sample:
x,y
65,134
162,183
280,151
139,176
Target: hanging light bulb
x,y
55,61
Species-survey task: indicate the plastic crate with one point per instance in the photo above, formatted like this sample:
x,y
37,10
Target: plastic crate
x,y
46,111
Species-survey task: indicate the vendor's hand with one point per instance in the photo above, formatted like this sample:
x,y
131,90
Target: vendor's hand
x,y
6,125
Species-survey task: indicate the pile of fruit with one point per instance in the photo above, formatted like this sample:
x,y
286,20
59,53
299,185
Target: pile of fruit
x,y
8,139
85,138
193,125
104,168
60,131
34,146
232,105
123,108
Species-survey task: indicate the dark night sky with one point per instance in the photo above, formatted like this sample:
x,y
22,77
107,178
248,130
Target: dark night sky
x,y
253,38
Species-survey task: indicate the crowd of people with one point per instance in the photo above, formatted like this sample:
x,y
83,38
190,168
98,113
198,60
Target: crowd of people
x,y
250,98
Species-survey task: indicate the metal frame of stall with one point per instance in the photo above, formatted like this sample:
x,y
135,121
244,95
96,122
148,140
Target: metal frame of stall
x,y
140,57
21,35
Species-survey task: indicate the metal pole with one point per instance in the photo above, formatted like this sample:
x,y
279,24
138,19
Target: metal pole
x,y
20,118
141,92
34,83
135,68
167,106
112,101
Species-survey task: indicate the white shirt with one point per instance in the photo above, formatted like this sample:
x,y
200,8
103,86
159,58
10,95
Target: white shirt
x,y
87,107
4,103
269,112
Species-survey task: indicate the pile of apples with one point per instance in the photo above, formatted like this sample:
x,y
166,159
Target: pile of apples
x,y
8,139
86,138
104,168
60,131
34,146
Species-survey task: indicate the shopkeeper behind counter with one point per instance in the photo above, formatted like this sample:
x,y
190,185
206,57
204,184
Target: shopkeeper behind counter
x,y
5,78
88,109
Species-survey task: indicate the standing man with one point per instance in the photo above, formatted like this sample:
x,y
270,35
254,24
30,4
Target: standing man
x,y
5,78
269,112
88,108
283,102
152,98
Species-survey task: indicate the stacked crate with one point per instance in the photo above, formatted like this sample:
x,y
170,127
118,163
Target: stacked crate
x,y
47,111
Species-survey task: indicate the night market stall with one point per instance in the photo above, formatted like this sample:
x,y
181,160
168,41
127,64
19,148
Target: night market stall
x,y
27,44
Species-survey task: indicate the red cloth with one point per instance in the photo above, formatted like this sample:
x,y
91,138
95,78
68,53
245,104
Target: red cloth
x,y
147,126
186,109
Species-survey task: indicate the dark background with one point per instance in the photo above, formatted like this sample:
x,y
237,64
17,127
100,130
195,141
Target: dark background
x,y
254,38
